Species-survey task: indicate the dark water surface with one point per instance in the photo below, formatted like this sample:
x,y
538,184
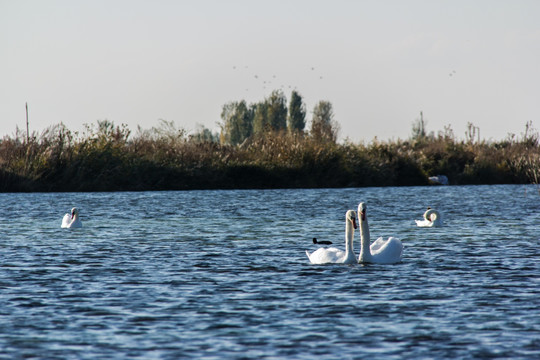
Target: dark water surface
x,y
223,274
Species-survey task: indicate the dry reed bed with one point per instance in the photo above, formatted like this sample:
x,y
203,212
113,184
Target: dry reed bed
x,y
109,158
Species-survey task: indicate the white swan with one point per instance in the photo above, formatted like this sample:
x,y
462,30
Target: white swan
x,y
381,251
432,218
72,220
333,255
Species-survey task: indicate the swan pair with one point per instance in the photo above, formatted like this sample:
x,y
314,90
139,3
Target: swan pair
x,y
72,220
432,218
380,252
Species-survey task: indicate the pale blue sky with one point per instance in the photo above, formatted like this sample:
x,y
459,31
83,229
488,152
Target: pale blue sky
x,y
378,62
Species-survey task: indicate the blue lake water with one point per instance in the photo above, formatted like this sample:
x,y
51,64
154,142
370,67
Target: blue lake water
x,y
223,274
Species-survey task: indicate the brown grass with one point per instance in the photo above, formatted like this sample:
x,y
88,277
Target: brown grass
x,y
110,158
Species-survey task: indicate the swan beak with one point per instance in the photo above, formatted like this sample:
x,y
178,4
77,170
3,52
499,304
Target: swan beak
x,y
354,224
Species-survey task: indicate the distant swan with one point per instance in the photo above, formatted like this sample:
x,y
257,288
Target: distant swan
x,y
333,255
432,218
72,220
381,251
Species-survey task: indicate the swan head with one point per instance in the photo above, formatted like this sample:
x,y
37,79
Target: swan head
x,y
362,208
351,216
74,212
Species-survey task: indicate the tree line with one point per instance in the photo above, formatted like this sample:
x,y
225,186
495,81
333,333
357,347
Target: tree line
x,y
261,145
241,121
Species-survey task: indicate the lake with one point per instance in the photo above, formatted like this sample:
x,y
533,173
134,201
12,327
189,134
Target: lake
x,y
224,275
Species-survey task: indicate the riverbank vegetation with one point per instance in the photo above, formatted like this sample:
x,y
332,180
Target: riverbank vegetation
x,y
262,145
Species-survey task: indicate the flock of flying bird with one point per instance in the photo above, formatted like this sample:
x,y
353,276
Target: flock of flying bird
x,y
379,252
267,81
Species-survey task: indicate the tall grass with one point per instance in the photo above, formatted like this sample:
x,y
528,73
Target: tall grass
x,y
106,157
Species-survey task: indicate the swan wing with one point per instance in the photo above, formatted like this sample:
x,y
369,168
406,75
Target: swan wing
x,y
424,223
66,221
76,224
326,255
427,223
377,245
386,251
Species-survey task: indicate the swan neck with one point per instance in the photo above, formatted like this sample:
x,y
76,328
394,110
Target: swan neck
x,y
365,241
349,236
431,215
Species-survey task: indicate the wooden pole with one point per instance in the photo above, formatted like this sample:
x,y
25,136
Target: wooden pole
x,y
27,131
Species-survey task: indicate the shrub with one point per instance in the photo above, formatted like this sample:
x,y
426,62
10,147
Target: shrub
x,y
109,158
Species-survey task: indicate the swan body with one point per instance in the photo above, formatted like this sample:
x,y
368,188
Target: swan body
x,y
381,251
72,220
334,255
432,218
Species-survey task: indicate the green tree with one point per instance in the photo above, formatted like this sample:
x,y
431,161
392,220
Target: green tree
x,y
277,110
323,126
237,122
271,114
260,118
297,113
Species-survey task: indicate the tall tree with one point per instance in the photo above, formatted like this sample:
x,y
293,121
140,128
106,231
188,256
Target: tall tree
x,y
297,113
260,118
419,128
277,110
237,122
323,126
270,114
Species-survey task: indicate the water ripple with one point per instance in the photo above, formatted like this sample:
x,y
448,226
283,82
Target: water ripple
x,y
223,274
